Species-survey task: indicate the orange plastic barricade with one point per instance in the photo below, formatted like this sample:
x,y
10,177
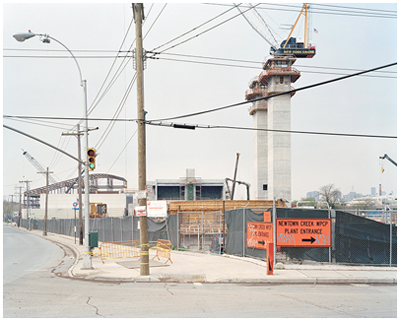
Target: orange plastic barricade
x,y
118,250
163,249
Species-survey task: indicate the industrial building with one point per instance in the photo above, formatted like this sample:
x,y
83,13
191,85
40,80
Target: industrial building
x,y
189,188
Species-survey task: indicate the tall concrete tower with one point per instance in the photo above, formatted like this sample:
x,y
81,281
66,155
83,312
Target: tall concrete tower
x,y
272,150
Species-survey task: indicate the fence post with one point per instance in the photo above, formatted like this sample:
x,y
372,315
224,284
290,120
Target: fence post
x,y
330,249
243,238
333,219
220,229
177,229
202,229
274,228
390,249
112,230
166,226
120,219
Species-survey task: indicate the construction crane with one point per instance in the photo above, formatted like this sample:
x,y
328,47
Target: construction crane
x,y
234,181
39,167
234,175
389,159
290,47
239,182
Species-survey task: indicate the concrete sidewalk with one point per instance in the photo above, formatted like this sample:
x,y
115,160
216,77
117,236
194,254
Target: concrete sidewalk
x,y
192,267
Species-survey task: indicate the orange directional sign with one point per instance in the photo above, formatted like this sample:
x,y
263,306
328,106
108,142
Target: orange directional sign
x,y
304,232
259,234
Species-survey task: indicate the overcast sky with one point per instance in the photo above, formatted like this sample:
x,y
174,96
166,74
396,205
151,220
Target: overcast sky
x,y
40,80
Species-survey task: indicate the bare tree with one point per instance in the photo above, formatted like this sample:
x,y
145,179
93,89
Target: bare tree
x,y
329,194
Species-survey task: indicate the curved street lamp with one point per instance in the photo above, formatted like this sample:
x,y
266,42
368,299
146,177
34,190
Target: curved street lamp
x,y
45,38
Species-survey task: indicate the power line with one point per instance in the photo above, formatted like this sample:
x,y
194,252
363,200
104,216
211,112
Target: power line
x,y
218,108
209,29
193,126
240,61
275,95
122,151
68,118
328,11
184,34
239,66
116,114
66,126
259,62
353,8
155,20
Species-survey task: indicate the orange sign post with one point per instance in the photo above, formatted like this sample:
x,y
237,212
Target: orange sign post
x,y
259,234
270,259
304,232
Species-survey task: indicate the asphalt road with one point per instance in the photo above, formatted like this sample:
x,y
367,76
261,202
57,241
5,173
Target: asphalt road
x,y
37,291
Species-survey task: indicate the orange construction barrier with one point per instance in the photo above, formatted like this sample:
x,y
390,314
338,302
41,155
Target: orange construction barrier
x,y
163,249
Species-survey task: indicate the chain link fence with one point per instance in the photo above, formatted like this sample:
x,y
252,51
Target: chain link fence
x,y
355,238
201,231
109,229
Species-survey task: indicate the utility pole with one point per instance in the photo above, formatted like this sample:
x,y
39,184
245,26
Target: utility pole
x,y
12,205
27,202
138,15
19,210
79,134
47,200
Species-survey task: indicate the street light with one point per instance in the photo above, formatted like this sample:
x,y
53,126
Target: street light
x,y
87,259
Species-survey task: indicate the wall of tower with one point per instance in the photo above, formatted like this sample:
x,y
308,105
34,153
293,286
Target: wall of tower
x,y
272,150
279,148
260,151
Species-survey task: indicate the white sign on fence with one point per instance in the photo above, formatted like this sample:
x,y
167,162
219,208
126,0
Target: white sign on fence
x,y
157,209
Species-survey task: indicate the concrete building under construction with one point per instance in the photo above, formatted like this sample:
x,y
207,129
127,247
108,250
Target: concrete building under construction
x,y
272,147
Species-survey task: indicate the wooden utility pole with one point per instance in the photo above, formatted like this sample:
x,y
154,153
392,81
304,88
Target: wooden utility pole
x,y
19,210
144,236
27,202
47,200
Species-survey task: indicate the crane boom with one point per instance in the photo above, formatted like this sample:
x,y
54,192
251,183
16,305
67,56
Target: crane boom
x,y
389,159
39,167
273,43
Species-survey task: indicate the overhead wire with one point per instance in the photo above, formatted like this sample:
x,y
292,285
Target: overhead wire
x,y
242,66
122,151
199,26
276,95
297,8
151,122
239,66
267,130
207,30
116,114
43,123
227,106
259,62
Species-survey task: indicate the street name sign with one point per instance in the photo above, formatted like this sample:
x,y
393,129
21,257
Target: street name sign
x,y
259,234
304,232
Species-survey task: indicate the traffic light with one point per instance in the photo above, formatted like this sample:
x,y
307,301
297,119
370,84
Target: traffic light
x,y
91,152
